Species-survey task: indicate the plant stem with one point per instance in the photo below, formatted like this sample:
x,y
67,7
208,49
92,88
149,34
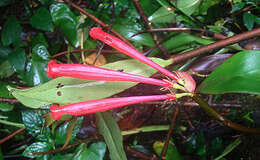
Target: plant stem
x,y
146,129
19,125
222,119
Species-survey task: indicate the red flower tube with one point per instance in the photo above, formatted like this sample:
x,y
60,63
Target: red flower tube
x,y
100,105
98,33
96,73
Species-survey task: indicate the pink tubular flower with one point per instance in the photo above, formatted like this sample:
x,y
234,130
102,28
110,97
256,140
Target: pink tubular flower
x,y
98,33
100,105
96,73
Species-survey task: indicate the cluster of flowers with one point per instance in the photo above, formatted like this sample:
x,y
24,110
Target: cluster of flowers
x,y
181,80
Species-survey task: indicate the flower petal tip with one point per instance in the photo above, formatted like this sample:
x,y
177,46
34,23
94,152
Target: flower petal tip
x,y
49,72
95,31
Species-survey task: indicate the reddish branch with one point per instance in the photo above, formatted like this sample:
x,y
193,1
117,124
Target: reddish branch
x,y
9,100
11,135
140,154
95,19
216,45
149,26
169,135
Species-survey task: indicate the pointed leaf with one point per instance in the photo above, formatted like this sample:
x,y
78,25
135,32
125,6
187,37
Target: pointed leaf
x,y
240,73
64,19
108,127
65,90
42,20
11,31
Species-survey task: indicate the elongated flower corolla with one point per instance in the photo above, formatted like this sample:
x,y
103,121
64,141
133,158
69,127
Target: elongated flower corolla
x,y
100,105
98,33
96,73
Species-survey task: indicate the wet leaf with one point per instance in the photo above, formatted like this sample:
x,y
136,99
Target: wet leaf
x,y
66,21
109,129
36,147
96,151
77,90
249,20
11,31
6,70
61,133
162,15
18,59
34,124
188,6
42,20
239,74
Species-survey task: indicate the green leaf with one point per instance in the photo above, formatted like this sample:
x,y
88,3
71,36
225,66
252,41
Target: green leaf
x,y
39,40
78,90
5,107
61,132
249,20
172,151
237,7
42,20
36,147
34,124
188,6
239,74
11,31
18,59
66,21
229,148
36,67
6,69
5,2
4,51
109,129
96,151
162,15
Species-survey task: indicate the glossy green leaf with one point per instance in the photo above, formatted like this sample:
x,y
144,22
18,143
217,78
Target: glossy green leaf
x,y
77,90
42,20
96,151
66,21
184,39
39,40
237,7
188,6
239,74
36,147
5,107
61,132
109,129
4,51
249,20
18,59
127,28
11,31
36,67
6,69
162,15
172,151
34,124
